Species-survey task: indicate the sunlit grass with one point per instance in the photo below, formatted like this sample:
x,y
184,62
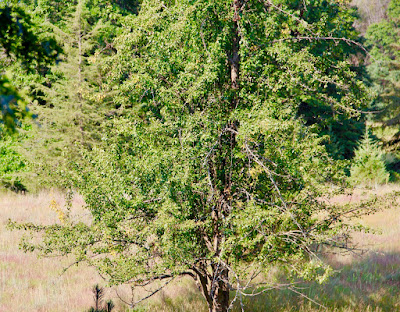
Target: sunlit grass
x,y
31,284
366,282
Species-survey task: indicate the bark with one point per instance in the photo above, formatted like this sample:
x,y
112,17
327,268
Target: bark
x,y
214,286
220,291
218,282
214,283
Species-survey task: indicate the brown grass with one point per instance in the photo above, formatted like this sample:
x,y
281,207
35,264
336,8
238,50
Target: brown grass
x,y
31,284
368,282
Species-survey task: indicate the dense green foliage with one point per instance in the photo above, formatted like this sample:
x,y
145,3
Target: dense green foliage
x,y
20,44
71,98
368,167
213,162
384,40
12,163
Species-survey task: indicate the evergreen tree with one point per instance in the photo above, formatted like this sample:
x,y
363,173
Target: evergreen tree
x,y
212,174
71,99
70,108
384,40
368,167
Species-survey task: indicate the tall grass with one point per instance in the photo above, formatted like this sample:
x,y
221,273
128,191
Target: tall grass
x,y
367,282
31,284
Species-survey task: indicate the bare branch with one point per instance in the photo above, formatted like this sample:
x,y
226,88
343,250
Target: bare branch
x,y
133,304
326,38
308,298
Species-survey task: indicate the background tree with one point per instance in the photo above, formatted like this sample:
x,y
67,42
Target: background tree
x,y
20,43
24,46
384,68
12,163
318,112
71,98
71,102
213,174
368,166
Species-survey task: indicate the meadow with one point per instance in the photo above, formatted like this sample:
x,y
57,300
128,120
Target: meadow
x,y
366,281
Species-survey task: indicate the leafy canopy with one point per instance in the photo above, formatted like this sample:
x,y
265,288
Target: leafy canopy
x,y
384,41
19,42
213,173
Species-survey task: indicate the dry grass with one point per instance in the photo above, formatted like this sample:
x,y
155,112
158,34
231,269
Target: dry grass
x,y
370,282
31,284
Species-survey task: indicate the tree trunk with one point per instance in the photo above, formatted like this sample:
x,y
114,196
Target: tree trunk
x,y
219,285
220,292
215,284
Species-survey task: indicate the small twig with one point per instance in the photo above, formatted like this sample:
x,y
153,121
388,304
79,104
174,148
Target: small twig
x,y
133,304
308,298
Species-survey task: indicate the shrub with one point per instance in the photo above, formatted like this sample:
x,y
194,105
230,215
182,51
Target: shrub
x,y
368,166
11,164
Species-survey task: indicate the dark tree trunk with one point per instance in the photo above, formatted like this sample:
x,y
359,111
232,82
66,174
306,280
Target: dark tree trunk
x,y
220,291
215,284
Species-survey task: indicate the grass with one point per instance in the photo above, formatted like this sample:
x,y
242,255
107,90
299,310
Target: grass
x,y
368,282
31,284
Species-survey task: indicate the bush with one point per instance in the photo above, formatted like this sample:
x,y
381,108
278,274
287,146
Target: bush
x,y
11,164
368,168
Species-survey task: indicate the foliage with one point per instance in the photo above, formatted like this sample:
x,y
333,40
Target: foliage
x,y
13,105
71,99
384,40
368,167
12,163
341,132
19,42
213,173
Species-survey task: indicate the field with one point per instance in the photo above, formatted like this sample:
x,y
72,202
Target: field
x,y
363,282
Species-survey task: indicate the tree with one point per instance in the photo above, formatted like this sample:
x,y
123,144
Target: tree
x,y
71,102
368,167
70,98
384,41
19,43
12,163
24,46
213,175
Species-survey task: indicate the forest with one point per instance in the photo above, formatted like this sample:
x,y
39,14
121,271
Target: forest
x,y
197,155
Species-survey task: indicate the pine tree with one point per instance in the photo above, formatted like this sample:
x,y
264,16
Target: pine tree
x,y
73,94
71,100
368,167
384,40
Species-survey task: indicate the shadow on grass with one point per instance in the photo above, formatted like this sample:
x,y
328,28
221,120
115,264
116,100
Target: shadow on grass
x,y
371,283
368,284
